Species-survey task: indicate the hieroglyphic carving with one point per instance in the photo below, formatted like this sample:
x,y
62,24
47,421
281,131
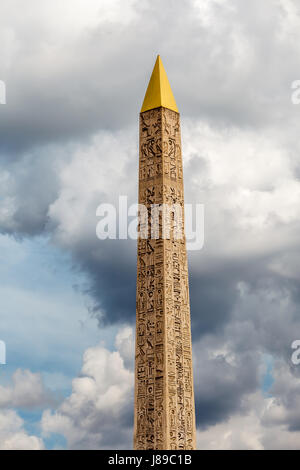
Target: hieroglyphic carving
x,y
164,397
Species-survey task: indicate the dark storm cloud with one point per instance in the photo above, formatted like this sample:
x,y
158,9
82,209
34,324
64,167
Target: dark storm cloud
x,y
212,300
113,282
33,185
221,386
63,91
97,81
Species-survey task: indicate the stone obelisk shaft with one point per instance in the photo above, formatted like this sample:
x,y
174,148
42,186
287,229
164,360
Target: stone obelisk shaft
x,y
164,414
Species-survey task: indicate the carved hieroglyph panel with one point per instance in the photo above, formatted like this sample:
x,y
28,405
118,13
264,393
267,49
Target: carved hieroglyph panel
x,y
164,415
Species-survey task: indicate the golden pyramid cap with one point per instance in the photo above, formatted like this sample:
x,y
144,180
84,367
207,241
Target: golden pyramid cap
x,y
159,91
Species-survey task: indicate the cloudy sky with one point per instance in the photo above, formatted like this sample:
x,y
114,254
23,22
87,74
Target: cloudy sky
x,y
75,74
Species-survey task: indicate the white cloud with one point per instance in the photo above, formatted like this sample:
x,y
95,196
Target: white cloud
x,y
250,189
13,436
284,407
249,431
96,414
125,345
86,181
27,391
249,175
240,432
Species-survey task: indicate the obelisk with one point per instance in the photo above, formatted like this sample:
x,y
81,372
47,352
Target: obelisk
x,y
164,413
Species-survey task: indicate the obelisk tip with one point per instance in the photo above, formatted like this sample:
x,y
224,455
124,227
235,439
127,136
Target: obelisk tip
x,y
159,91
